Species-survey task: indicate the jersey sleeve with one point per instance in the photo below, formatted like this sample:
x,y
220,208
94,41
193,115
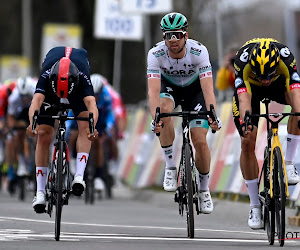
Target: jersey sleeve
x,y
242,70
288,68
204,64
153,68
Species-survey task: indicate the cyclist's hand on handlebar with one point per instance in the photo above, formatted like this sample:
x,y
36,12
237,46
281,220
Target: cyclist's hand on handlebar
x,y
29,131
156,128
216,125
90,136
242,129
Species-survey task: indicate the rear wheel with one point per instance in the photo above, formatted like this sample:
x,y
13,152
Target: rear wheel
x,y
189,189
59,187
279,195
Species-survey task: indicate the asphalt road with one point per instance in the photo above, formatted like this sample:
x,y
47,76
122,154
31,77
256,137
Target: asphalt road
x,y
135,220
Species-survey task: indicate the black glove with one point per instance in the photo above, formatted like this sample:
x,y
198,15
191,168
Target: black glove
x,y
241,132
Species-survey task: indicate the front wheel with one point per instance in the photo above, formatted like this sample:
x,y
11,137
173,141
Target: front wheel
x,y
279,195
189,191
58,189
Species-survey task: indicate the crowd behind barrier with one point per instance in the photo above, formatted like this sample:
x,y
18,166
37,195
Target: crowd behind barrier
x,y
141,162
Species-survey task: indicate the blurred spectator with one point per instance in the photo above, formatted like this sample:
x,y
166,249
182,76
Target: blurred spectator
x,y
225,75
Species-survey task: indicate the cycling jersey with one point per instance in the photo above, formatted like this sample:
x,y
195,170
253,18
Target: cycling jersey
x,y
118,106
245,78
5,91
180,72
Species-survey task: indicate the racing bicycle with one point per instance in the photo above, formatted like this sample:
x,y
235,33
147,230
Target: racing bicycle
x,y
58,185
273,177
187,194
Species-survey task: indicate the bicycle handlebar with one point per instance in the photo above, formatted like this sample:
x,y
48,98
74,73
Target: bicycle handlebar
x,y
268,115
211,113
64,117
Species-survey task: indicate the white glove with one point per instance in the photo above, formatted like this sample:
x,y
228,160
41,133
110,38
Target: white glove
x,y
219,123
152,126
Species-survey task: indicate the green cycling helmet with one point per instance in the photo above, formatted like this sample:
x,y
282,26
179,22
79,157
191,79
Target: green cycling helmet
x,y
173,21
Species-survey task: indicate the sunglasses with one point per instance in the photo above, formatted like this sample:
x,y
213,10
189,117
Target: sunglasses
x,y
269,77
177,35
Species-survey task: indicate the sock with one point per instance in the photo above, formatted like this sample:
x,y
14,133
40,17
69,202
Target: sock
x,y
204,181
252,186
168,153
41,178
291,148
81,161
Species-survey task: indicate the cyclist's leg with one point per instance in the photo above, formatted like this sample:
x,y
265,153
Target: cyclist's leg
x,y
42,151
248,162
293,138
168,100
97,146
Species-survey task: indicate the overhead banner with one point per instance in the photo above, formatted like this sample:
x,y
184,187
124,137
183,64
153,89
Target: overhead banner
x,y
111,23
60,35
146,6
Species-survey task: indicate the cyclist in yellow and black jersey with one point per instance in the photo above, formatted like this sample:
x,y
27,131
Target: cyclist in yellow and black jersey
x,y
264,68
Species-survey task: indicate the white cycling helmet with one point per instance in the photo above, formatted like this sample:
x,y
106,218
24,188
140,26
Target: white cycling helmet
x,y
97,82
26,85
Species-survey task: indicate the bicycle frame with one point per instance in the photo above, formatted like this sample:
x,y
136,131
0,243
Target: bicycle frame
x,y
186,193
272,125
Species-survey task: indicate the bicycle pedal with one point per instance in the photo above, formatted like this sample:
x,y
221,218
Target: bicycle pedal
x,y
40,209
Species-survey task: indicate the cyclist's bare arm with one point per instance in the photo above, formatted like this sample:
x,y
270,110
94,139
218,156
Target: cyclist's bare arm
x,y
36,104
244,103
154,93
294,96
209,97
154,86
90,103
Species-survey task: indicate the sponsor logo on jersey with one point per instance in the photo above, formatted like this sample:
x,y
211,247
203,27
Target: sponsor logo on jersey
x,y
195,51
241,90
236,68
205,74
169,89
238,81
159,53
285,52
296,77
293,64
244,56
153,76
205,69
198,107
295,86
179,72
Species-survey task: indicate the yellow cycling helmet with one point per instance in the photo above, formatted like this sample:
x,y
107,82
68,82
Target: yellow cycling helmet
x,y
264,59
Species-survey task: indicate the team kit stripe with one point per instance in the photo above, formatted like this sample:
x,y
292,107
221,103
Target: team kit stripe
x,y
63,79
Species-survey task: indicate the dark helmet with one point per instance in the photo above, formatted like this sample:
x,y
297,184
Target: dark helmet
x,y
264,59
64,77
173,21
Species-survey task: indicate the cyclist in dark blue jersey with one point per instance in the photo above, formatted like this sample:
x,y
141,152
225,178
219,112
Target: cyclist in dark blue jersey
x,y
64,78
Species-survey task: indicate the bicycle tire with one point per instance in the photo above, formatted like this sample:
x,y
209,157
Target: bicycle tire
x,y
189,192
59,187
269,206
279,195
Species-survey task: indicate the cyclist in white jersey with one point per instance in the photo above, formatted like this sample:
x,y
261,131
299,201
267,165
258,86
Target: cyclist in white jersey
x,y
179,73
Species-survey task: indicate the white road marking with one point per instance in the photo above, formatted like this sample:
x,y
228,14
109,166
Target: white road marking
x,y
132,226
70,237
